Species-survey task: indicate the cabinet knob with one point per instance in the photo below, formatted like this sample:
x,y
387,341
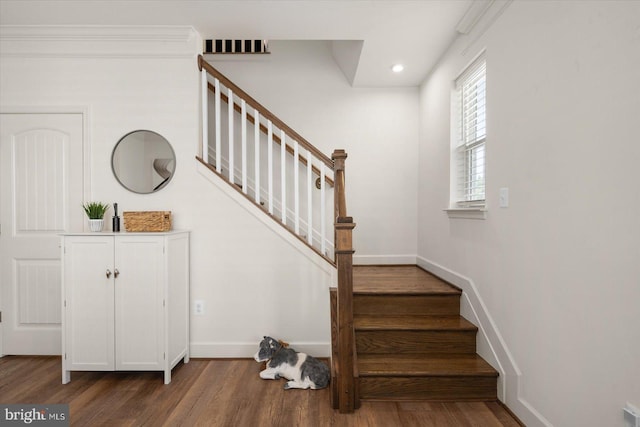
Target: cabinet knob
x,y
108,273
116,273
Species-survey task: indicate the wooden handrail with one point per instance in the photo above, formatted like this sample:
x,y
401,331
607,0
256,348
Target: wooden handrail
x,y
345,389
263,111
265,131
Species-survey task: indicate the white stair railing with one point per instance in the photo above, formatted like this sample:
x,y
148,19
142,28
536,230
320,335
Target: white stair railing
x,y
291,179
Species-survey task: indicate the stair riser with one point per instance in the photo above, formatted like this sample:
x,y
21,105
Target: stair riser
x,y
368,342
425,305
411,342
428,388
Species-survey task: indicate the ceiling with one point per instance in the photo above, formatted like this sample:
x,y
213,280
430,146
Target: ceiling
x,y
369,35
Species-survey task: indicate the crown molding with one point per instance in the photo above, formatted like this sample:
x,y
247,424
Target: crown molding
x,y
98,41
96,32
474,13
485,14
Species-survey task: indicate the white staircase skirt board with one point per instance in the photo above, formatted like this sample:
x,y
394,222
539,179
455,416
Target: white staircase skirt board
x,y
268,221
290,217
491,345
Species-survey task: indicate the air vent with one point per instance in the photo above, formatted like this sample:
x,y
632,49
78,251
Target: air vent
x,y
218,46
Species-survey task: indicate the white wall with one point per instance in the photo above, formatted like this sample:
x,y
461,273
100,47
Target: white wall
x,y
252,281
558,270
378,127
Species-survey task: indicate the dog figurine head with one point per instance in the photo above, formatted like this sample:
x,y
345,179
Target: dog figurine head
x,y
268,347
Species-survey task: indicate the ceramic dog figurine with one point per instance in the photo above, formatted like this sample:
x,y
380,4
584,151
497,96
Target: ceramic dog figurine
x,y
302,370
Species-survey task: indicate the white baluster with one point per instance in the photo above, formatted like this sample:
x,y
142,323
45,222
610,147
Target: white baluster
x,y
283,175
216,84
270,163
309,197
256,139
243,109
296,187
205,115
323,204
231,145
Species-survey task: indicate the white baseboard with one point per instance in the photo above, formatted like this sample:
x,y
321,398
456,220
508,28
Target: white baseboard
x,y
384,259
490,341
247,350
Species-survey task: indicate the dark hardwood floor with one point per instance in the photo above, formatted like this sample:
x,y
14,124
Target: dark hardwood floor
x,y
221,392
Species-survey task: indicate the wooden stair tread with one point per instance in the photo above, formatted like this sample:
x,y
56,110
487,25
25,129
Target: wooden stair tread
x,y
410,340
364,322
418,365
399,280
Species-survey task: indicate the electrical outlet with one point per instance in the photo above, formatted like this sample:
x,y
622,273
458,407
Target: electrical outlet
x,y
198,307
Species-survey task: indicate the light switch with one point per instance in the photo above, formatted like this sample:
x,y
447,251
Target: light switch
x,y
504,197
198,307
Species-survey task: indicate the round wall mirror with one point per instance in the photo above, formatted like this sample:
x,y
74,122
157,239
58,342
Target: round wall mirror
x,y
143,161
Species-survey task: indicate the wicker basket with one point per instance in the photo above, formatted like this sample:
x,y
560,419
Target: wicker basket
x,y
147,221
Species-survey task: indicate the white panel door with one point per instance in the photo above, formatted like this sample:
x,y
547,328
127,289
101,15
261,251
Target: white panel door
x,y
41,175
139,302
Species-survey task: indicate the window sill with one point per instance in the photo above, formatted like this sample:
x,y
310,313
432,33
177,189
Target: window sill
x,y
466,213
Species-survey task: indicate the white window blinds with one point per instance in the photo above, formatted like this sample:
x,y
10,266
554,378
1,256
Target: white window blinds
x,y
472,131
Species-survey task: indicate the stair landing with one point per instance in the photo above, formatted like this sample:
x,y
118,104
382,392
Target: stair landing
x,y
402,279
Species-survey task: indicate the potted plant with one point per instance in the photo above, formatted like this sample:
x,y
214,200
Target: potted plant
x,y
95,211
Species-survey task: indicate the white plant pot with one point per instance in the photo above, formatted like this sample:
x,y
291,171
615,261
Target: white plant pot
x,y
96,224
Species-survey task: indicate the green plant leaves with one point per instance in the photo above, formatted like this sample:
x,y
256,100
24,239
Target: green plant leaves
x,y
95,210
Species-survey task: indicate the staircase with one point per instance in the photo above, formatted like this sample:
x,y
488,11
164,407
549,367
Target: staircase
x,y
411,342
396,332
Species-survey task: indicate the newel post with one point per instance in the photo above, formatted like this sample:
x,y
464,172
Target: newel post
x,y
346,388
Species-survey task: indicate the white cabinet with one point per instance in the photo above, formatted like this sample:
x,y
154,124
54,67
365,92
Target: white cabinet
x,y
125,302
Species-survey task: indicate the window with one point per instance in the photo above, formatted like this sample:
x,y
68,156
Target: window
x,y
470,135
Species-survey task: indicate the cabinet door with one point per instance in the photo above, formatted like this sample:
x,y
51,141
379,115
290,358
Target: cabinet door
x,y
88,278
139,290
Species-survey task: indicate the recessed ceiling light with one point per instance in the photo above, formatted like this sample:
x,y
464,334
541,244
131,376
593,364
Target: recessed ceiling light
x,y
397,68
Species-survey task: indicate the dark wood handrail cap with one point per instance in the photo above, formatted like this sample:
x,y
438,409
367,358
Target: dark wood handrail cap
x,y
345,252
344,226
344,220
339,154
